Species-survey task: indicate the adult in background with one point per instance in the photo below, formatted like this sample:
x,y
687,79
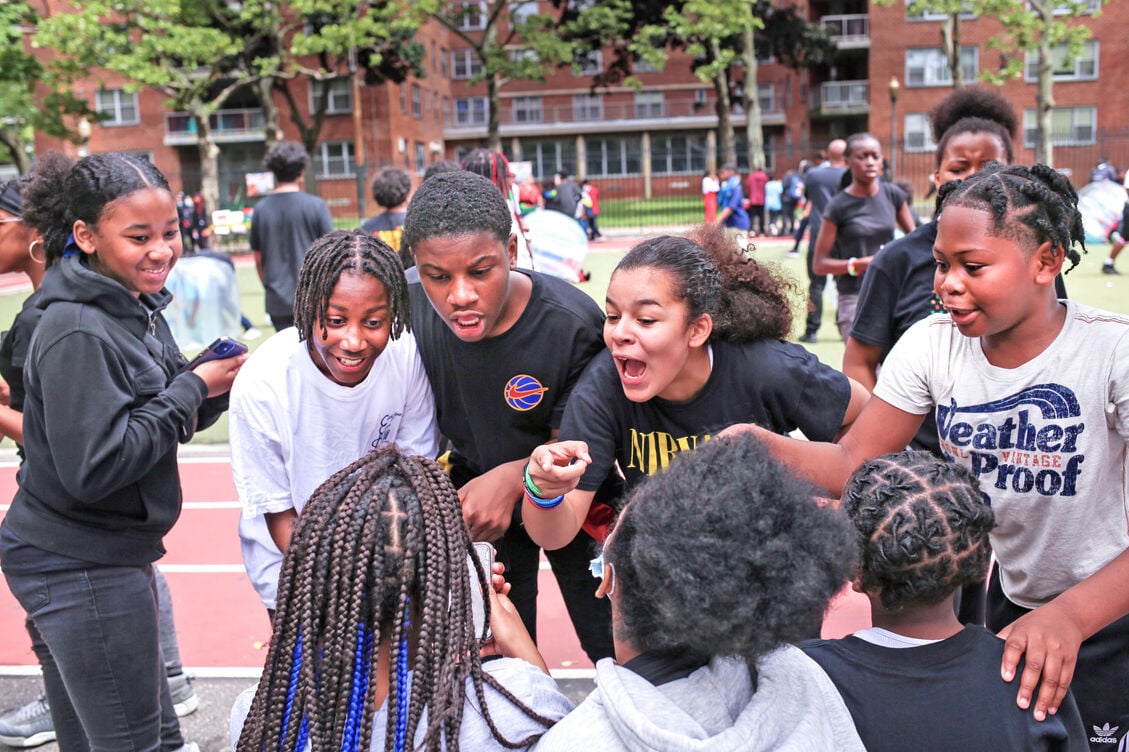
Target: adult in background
x,y
285,223
710,187
730,203
754,189
792,190
820,184
565,196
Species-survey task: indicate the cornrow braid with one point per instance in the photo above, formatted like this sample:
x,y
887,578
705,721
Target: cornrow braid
x,y
354,252
378,556
922,527
1029,205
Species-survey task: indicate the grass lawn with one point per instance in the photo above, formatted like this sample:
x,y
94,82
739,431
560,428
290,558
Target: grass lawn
x,y
1086,284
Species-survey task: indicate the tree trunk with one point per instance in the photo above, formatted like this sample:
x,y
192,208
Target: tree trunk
x,y
209,158
493,90
1044,96
754,134
10,137
950,42
272,126
726,141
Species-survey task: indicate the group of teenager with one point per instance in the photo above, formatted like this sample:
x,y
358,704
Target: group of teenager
x,y
654,435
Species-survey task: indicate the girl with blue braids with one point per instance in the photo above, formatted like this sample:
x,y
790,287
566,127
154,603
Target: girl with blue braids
x,y
374,644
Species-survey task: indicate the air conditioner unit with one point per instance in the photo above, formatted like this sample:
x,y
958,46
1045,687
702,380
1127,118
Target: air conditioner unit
x,y
401,145
436,147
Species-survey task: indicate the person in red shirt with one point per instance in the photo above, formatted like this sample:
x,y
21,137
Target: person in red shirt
x,y
591,201
754,189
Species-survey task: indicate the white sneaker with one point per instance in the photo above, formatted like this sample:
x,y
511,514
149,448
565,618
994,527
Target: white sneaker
x,y
250,334
184,697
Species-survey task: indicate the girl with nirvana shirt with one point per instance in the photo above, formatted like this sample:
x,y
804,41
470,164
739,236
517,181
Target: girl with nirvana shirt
x,y
857,222
694,334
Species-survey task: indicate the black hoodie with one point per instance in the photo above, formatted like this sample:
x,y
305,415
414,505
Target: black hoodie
x,y
104,410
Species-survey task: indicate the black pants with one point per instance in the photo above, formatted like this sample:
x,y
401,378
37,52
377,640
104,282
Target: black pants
x,y
1101,676
816,284
591,616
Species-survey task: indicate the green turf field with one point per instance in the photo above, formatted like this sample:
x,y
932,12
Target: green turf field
x,y
1086,284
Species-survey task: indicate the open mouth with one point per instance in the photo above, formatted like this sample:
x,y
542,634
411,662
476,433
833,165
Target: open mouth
x,y
631,371
349,364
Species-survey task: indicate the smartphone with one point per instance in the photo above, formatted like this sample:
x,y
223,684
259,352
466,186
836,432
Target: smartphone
x,y
224,347
485,553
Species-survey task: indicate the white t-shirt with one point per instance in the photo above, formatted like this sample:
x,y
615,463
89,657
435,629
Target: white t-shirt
x,y
1047,440
710,185
291,428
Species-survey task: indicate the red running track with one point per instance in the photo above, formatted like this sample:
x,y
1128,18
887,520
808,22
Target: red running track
x,y
221,624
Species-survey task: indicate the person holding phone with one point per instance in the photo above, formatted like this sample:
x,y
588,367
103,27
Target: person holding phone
x,y
100,487
346,379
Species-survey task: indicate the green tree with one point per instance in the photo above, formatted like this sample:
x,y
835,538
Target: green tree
x,y
31,98
1047,29
513,41
950,28
185,50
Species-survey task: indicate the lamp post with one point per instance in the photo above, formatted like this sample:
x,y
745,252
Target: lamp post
x,y
894,87
83,129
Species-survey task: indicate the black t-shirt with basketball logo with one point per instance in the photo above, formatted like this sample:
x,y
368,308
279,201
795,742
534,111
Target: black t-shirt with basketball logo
x,y
498,398
777,385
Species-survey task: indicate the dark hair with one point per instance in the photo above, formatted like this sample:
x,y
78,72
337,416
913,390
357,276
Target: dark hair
x,y
440,167
973,110
922,527
348,251
491,165
391,187
726,553
455,204
1027,204
62,192
378,553
287,160
747,300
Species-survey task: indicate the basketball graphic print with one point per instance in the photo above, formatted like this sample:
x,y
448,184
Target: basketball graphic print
x,y
523,392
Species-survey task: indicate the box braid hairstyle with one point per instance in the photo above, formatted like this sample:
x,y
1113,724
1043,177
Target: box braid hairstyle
x,y
747,300
1028,205
455,204
922,527
725,553
378,554
348,252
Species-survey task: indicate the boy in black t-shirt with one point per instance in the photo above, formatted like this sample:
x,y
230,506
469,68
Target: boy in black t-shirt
x,y
502,349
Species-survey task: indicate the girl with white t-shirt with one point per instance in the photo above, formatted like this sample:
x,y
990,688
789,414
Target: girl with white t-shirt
x,y
346,379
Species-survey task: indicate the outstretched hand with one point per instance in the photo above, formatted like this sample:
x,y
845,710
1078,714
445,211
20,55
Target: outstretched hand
x,y
1048,639
557,468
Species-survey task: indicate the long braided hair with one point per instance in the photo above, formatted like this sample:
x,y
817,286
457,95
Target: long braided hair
x,y
378,555
348,251
1028,205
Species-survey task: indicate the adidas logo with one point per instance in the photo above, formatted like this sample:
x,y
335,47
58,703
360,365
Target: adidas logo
x,y
1104,734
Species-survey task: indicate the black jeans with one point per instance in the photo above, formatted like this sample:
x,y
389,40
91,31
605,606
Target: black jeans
x,y
102,657
816,284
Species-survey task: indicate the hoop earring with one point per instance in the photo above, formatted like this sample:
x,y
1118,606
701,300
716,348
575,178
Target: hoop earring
x,y
31,252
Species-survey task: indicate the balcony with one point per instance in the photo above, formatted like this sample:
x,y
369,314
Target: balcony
x,y
228,126
849,32
841,98
598,115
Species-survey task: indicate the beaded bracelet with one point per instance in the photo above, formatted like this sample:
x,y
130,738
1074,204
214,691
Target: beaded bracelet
x,y
537,501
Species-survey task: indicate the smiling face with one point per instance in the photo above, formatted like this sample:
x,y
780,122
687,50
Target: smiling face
x,y
467,279
358,323
865,161
651,337
136,241
990,285
966,153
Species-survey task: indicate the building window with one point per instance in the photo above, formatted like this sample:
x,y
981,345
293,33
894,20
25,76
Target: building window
x,y
639,65
701,96
614,156
334,159
446,111
443,61
421,158
930,67
339,99
1070,126
465,64
471,110
520,55
921,14
403,99
521,11
648,104
417,103
471,16
588,62
548,157
1088,6
118,104
587,106
918,136
766,97
527,109
1084,67
671,155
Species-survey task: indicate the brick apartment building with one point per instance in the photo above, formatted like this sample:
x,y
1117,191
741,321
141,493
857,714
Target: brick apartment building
x,y
652,141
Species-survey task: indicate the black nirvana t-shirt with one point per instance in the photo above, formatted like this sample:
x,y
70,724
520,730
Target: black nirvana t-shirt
x,y
777,385
498,398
